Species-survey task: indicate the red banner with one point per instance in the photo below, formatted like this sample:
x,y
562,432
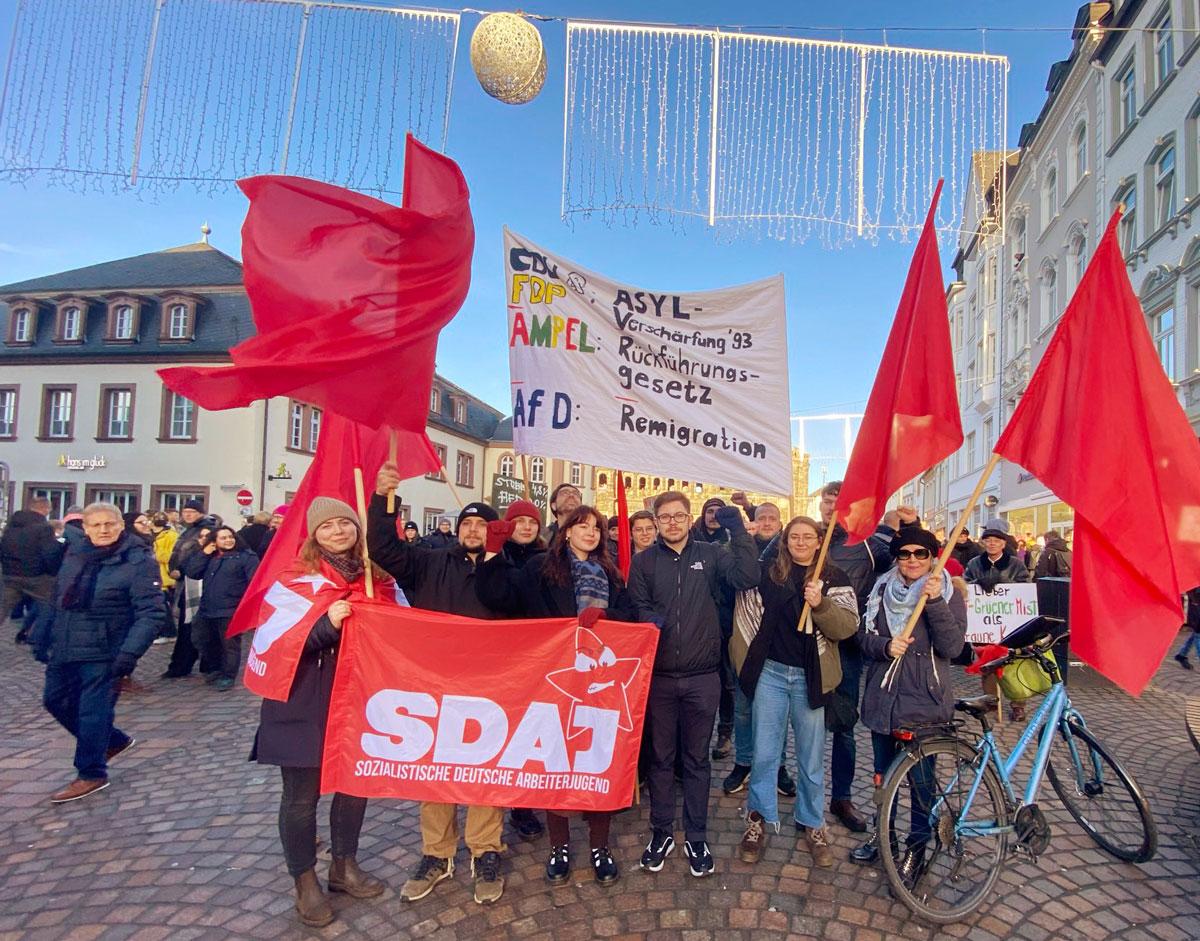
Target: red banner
x,y
432,707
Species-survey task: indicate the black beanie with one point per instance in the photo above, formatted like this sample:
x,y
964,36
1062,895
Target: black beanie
x,y
915,536
482,510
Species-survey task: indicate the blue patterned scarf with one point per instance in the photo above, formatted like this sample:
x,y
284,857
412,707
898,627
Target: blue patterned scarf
x,y
591,584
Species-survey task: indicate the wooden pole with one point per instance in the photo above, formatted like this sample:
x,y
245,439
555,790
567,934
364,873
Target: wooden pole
x,y
940,565
453,490
525,475
816,573
393,458
360,496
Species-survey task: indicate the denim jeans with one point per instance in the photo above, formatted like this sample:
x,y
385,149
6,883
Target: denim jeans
x,y
920,781
782,699
842,752
743,731
83,698
1193,641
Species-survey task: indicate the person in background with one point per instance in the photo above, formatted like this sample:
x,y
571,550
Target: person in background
x,y
1193,621
1055,560
255,531
164,538
709,530
226,565
184,654
412,534
965,548
174,520
108,609
564,500
441,537
642,530
273,524
137,524
30,556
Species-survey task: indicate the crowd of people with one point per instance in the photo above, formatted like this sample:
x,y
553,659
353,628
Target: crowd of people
x,y
753,643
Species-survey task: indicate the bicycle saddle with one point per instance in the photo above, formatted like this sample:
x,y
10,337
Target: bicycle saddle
x,y
977,706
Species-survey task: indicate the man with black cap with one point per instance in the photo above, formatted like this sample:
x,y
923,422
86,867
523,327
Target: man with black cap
x,y
442,580
966,548
412,534
997,564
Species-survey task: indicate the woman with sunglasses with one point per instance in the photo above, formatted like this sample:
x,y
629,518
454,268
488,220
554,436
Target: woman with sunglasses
x,y
920,693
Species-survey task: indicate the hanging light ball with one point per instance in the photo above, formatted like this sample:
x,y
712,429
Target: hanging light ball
x,y
508,58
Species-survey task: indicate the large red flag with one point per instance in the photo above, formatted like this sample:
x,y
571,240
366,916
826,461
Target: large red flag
x,y
1101,426
349,294
912,419
343,445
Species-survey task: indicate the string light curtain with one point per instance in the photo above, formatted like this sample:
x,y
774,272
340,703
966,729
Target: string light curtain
x,y
772,136
160,93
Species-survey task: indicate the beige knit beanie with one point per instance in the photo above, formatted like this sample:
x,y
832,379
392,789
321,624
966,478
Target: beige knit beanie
x,y
328,508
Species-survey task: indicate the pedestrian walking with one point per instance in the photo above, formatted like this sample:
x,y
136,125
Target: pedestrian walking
x,y
225,565
291,734
1193,621
108,609
164,537
30,556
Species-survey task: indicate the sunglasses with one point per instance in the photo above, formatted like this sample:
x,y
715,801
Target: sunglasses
x,y
921,554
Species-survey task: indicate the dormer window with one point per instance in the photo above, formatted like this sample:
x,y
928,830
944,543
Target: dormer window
x,y
22,324
460,411
124,313
435,401
178,318
72,312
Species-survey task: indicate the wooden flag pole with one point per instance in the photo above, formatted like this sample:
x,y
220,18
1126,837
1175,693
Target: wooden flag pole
x,y
816,574
453,490
525,476
360,496
940,565
393,458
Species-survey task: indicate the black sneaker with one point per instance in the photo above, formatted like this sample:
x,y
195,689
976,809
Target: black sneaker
x,y
1183,661
784,783
657,850
558,866
526,823
604,866
699,858
736,779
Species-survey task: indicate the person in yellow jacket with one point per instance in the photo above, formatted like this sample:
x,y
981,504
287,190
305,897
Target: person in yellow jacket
x,y
164,537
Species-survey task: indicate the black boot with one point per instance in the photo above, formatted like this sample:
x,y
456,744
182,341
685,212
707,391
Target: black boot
x,y
868,852
912,865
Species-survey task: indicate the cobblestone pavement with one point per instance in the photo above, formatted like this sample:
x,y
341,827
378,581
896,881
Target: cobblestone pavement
x,y
183,845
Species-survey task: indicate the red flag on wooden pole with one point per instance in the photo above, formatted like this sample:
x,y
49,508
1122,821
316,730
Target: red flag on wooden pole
x,y
912,419
1101,426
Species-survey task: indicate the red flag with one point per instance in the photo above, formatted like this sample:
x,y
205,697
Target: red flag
x,y
343,445
349,294
1101,426
912,419
624,540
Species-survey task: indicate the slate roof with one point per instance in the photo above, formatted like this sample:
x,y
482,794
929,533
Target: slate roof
x,y
482,419
196,265
504,432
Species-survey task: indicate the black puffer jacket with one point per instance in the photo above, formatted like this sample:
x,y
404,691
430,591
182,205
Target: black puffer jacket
x,y
681,592
440,579
226,577
28,547
1055,560
125,613
526,592
987,574
187,543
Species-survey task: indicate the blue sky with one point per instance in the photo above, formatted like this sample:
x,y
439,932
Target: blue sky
x,y
840,302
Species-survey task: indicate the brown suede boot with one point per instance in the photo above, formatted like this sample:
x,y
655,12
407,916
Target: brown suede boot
x,y
346,876
311,903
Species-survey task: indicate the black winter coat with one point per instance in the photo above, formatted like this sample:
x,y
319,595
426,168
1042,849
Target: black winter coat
x,y
1055,561
681,592
253,535
526,592
987,575
440,579
966,552
226,577
125,613
187,543
292,734
921,693
28,547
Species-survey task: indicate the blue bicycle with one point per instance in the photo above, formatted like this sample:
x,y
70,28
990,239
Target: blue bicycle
x,y
963,812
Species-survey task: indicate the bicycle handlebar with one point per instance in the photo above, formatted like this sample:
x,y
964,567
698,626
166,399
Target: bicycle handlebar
x,y
1036,649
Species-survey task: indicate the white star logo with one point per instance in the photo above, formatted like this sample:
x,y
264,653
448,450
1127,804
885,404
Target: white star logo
x,y
604,686
317,581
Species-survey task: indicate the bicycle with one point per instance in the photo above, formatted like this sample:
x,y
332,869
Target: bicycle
x,y
964,813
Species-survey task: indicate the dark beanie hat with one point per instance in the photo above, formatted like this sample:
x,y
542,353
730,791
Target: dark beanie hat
x,y
480,509
915,536
197,505
413,526
711,501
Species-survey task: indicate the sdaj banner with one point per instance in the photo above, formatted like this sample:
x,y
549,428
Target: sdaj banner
x,y
608,373
537,713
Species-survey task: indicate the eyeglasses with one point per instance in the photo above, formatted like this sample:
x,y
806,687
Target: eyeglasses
x,y
806,537
921,554
665,518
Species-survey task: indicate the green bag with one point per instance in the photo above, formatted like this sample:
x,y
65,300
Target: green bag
x,y
1025,679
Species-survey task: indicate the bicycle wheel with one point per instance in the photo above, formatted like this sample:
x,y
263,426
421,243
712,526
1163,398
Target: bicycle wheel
x,y
958,853
1102,796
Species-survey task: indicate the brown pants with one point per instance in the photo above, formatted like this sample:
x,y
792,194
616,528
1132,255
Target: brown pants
x,y
439,830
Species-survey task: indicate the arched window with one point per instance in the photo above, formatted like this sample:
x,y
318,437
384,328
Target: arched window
x,y
1164,188
1079,152
1049,196
1049,278
1076,257
507,465
537,471
1128,227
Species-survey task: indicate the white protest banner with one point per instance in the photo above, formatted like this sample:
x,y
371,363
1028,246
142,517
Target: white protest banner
x,y
607,373
992,617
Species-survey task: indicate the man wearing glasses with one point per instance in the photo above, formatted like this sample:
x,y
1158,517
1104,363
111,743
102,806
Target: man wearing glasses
x,y
565,499
676,584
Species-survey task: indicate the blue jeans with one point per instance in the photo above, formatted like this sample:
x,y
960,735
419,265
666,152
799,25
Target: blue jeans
x,y
743,731
782,699
83,698
843,752
1192,641
920,781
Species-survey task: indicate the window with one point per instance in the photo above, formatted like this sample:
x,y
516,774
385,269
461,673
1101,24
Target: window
x,y
1126,91
989,291
603,480
970,452
60,496
173,497
1049,197
178,418
296,427
1018,238
71,328
577,475
988,355
1049,293
126,498
20,329
441,456
537,471
1164,188
435,401
1127,230
431,518
1162,328
8,412
58,412
178,318
507,465
460,411
988,441
1164,47
464,469
116,413
314,428
122,319
1079,151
